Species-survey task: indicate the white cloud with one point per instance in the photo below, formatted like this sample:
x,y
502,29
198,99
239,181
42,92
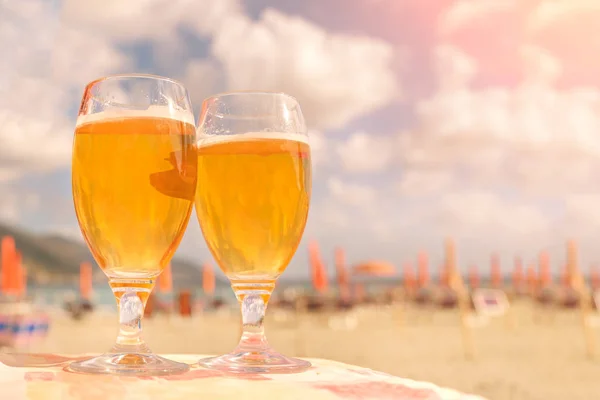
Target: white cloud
x,y
149,19
277,52
319,148
454,69
533,137
477,212
327,213
463,12
353,194
328,73
425,182
51,62
161,23
361,152
64,48
582,213
14,203
548,12
80,56
352,211
202,79
8,174
371,211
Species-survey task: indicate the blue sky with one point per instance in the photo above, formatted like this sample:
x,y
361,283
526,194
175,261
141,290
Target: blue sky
x,y
476,119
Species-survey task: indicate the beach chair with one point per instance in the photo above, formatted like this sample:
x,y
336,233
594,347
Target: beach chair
x,y
21,324
490,302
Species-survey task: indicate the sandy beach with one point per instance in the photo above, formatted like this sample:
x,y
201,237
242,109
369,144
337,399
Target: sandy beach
x,y
517,358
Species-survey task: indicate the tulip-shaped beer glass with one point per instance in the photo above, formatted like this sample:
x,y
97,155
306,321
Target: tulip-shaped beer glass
x,y
252,203
134,179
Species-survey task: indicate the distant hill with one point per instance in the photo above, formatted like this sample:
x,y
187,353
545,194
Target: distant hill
x,y
51,258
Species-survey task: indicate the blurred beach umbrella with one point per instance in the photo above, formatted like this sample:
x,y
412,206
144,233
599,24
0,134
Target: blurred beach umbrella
x,y
318,273
165,280
456,295
455,280
20,277
565,280
474,278
359,292
545,277
422,269
208,279
574,275
343,278
531,279
444,275
7,256
15,280
23,280
409,279
496,279
582,297
517,275
185,303
595,277
12,279
452,278
374,268
85,280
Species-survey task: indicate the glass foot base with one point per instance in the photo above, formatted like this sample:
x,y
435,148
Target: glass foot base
x,y
129,364
255,362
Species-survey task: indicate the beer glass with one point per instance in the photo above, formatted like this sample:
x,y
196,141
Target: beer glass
x,y
134,178
252,204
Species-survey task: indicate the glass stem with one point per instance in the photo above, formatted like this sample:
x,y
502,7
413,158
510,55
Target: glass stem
x,y
132,296
254,298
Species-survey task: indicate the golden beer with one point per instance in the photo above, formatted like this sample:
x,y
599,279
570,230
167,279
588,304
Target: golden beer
x,y
134,180
252,201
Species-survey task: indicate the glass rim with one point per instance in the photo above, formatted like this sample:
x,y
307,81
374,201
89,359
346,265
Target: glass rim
x,y
249,92
134,76
88,92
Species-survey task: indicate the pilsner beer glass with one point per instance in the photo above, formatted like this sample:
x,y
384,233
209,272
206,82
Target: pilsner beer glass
x,y
134,179
252,204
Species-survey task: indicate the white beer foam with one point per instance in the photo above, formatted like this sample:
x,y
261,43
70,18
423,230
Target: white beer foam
x,y
210,140
150,112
